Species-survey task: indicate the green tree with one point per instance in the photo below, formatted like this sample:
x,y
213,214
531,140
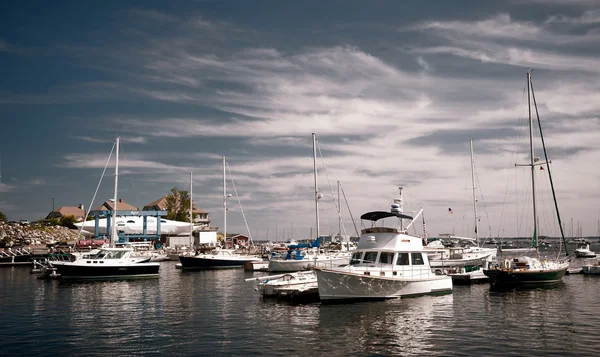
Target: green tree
x,y
3,217
178,205
68,221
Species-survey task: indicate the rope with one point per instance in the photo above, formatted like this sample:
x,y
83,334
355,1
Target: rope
x,y
95,193
240,203
339,212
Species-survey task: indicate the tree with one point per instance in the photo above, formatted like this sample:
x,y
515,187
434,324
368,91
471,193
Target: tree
x,y
3,217
178,205
68,221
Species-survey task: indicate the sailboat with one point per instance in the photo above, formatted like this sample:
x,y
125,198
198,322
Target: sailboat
x,y
297,260
109,262
524,269
466,268
217,258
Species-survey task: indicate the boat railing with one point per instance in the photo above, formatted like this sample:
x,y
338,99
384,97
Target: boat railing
x,y
391,270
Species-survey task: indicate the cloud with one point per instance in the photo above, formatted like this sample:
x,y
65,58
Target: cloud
x,y
123,139
589,17
502,40
499,26
5,188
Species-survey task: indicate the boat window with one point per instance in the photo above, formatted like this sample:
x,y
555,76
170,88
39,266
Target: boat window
x,y
355,258
370,257
417,259
386,258
402,259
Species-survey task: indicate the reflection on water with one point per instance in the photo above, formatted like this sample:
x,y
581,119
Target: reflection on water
x,y
216,313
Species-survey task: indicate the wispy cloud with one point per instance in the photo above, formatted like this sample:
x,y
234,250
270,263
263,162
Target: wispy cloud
x,y
486,41
590,17
5,188
124,139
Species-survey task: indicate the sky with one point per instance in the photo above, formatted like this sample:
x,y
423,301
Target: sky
x,y
393,90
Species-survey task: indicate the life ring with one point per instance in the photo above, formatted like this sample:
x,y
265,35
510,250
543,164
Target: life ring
x,y
507,264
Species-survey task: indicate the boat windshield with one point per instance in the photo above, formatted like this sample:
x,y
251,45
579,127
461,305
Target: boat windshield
x,y
386,258
370,257
417,259
107,254
402,259
355,258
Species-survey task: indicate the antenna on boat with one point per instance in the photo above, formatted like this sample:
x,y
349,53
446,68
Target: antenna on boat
x,y
398,205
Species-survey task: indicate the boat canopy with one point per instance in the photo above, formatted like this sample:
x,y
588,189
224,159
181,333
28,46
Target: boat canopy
x,y
377,215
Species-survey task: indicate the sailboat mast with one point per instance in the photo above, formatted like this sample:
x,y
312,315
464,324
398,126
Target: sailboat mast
x,y
114,213
339,211
314,137
474,191
224,204
532,160
191,214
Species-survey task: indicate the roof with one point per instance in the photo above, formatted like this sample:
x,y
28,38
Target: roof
x,y
69,210
121,206
377,215
161,203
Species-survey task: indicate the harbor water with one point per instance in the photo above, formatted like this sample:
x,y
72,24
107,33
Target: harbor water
x,y
217,313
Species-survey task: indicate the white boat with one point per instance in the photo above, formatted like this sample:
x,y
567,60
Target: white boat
x,y
388,263
453,257
583,251
109,263
522,270
135,225
305,260
257,265
591,268
285,284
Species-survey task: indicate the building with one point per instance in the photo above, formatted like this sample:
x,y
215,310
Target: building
x,y
77,212
200,215
121,206
237,241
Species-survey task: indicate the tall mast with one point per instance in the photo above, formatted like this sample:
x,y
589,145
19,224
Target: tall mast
x,y
191,214
339,211
224,204
114,213
314,137
474,192
532,160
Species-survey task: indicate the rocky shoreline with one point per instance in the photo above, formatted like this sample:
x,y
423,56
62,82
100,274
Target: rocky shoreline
x,y
17,235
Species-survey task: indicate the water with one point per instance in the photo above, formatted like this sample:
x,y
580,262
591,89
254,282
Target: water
x,y
217,313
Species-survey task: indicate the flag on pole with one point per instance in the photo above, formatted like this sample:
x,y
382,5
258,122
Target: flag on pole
x,y
450,210
424,231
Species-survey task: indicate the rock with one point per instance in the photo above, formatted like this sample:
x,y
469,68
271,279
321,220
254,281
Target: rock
x,y
34,234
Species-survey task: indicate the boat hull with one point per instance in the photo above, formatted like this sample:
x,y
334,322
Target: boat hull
x,y
591,269
79,271
511,277
339,285
210,262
